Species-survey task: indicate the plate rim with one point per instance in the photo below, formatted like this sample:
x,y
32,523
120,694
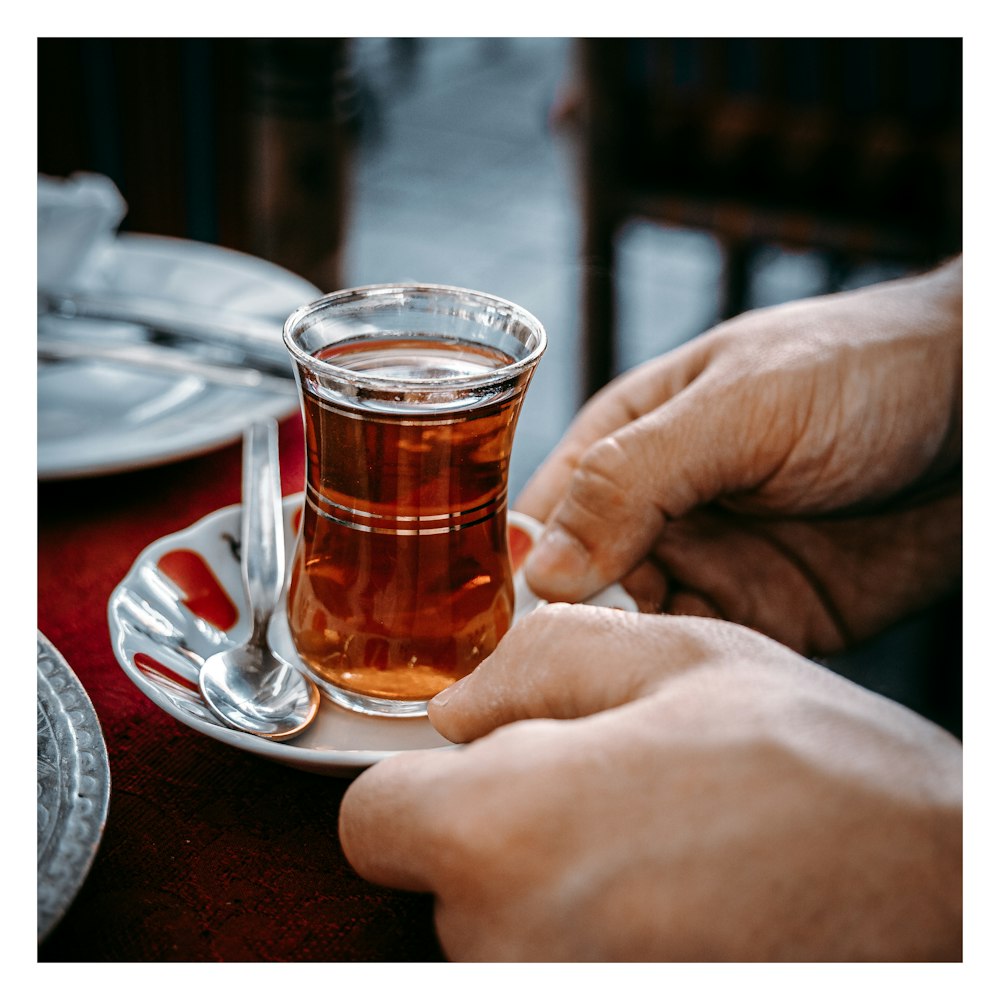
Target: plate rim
x,y
201,440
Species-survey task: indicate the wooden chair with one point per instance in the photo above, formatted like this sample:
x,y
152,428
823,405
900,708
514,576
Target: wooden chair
x,y
848,146
245,143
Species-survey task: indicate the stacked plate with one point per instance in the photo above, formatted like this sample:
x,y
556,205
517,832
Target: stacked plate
x,y
97,417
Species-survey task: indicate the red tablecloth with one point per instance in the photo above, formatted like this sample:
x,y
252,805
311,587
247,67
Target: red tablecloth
x,y
209,853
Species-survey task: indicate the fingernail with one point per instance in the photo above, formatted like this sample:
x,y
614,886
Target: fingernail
x,y
443,697
558,556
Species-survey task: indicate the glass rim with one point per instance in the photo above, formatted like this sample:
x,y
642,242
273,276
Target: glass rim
x,y
374,292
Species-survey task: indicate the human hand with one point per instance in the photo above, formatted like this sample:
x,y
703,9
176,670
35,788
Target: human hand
x,y
797,470
694,792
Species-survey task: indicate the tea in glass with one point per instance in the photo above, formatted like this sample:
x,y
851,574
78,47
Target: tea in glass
x,y
401,581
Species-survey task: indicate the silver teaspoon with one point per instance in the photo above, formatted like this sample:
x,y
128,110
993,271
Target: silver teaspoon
x,y
250,687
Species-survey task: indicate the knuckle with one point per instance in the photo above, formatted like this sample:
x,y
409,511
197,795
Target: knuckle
x,y
601,480
536,628
548,616
545,631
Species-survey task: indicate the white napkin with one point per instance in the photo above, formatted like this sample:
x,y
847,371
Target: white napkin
x,y
78,216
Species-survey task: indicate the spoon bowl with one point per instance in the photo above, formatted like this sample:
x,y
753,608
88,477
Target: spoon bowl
x,y
253,689
250,687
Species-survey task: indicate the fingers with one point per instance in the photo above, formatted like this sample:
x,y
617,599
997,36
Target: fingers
x,y
658,441
647,585
386,822
628,484
405,822
695,605
770,575
640,391
606,413
439,820
569,661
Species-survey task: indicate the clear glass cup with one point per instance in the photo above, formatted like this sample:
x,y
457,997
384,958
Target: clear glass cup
x,y
401,581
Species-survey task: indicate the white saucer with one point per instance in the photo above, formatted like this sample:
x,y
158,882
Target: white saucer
x,y
161,630
95,418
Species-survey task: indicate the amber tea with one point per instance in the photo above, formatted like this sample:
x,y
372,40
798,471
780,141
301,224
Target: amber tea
x,y
401,581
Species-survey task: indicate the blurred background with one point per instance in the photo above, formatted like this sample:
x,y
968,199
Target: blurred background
x,y
628,191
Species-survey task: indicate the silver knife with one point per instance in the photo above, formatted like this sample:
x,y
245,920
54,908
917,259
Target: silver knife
x,y
167,360
256,342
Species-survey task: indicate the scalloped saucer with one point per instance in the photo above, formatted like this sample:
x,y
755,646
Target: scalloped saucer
x,y
183,600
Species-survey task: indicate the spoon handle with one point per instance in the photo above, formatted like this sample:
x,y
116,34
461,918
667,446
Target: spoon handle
x,y
262,547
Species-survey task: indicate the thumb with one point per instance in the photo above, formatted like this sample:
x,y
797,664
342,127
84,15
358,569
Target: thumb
x,y
625,485
566,661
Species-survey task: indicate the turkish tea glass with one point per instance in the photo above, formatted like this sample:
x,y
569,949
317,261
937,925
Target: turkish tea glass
x,y
401,581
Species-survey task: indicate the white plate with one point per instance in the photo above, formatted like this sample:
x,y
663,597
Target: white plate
x,y
183,600
95,418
